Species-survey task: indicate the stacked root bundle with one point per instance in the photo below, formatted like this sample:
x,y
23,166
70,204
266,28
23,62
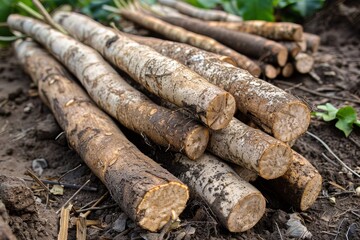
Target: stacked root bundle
x,y
208,86
279,48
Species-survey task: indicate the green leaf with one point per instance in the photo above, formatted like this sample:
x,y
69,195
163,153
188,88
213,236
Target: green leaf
x,y
257,9
357,123
346,118
307,7
330,112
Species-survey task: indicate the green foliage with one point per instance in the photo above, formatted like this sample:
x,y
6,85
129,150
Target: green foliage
x,y
346,117
91,8
264,9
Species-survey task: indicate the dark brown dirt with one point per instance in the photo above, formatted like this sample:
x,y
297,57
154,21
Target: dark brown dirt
x,y
28,130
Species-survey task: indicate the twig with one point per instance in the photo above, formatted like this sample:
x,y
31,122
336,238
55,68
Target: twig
x,y
94,205
30,11
65,185
71,170
318,93
347,232
111,8
71,198
277,226
338,230
96,208
64,222
47,17
332,153
3,128
36,179
11,38
329,160
315,77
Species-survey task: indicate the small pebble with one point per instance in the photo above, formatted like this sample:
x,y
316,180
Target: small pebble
x,y
358,191
28,108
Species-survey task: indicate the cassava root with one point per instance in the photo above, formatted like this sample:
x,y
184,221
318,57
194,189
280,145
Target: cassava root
x,y
146,192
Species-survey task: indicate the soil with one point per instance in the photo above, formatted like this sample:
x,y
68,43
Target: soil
x,y
28,132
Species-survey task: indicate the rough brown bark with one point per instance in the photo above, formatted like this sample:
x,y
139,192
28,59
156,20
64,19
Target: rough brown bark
x,y
208,15
287,70
146,192
247,44
237,204
280,113
160,75
312,42
252,149
304,63
300,185
292,47
271,30
113,94
181,35
244,173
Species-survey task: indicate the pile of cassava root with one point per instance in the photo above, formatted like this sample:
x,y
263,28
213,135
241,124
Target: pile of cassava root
x,y
196,92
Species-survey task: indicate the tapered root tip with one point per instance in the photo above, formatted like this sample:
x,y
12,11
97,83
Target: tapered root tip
x,y
311,192
196,142
275,161
291,121
282,56
220,112
246,213
160,204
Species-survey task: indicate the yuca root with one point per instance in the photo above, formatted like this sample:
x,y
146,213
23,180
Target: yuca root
x,y
293,48
160,75
300,185
181,35
244,173
146,192
271,30
287,70
237,204
132,108
208,15
268,70
252,149
304,63
312,42
247,44
180,51
276,111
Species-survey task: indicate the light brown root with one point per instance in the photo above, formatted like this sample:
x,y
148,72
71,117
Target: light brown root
x,y
195,143
287,70
291,121
312,42
304,63
160,204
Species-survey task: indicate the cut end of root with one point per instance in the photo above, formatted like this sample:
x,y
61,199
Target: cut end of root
x,y
160,204
291,121
311,192
270,71
196,142
254,70
298,34
275,161
287,70
220,112
304,63
246,213
282,56
228,60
